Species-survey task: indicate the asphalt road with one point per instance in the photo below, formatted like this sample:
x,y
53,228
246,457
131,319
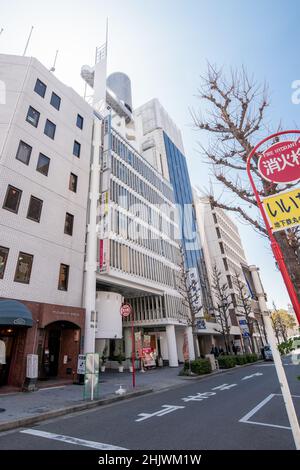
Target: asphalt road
x,y
242,409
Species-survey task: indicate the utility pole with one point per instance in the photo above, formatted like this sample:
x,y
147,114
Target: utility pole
x,y
287,398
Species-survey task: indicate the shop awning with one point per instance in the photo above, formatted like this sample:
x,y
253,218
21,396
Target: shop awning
x,y
13,312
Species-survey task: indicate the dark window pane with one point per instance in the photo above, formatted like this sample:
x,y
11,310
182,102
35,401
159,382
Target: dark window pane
x,y
69,221
79,121
55,101
3,260
76,149
73,182
33,116
34,209
63,277
12,199
40,88
23,269
43,164
50,129
24,152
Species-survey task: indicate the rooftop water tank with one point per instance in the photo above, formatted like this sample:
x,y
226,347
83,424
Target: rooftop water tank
x,y
120,84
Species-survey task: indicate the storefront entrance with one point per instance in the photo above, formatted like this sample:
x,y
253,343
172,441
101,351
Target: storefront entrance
x,y
7,339
60,350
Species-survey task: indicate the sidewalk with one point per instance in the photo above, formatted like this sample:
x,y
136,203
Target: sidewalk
x,y
27,408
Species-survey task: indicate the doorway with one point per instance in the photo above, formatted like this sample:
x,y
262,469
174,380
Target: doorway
x,y
7,339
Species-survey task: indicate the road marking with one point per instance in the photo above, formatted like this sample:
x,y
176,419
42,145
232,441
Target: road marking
x,y
51,388
71,440
199,396
253,375
167,409
245,419
224,387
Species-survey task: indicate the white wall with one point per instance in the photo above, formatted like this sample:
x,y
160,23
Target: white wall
x,y
46,240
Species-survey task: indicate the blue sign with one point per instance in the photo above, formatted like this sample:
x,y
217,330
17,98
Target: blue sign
x,y
201,325
246,334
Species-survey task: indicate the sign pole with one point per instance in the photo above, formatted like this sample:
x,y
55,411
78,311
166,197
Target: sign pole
x,y
285,390
133,349
277,252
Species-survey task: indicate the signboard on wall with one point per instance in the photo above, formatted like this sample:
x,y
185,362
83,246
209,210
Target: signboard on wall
x,y
283,209
103,255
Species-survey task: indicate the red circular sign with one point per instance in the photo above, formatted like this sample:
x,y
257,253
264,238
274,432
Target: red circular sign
x,y
125,310
280,163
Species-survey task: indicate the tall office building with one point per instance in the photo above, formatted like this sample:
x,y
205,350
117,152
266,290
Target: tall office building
x,y
223,248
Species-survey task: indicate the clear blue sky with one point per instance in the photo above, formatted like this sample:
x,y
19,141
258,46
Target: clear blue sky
x,y
163,45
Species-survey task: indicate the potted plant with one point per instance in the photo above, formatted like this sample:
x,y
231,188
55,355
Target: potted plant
x,y
120,359
103,359
129,359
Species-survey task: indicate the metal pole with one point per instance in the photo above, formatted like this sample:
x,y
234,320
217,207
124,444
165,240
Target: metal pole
x,y
275,246
133,348
25,50
287,398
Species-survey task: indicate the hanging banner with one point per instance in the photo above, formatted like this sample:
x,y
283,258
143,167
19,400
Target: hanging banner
x,y
283,209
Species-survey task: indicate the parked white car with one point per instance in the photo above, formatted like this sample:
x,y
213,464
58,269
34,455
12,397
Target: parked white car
x,y
295,356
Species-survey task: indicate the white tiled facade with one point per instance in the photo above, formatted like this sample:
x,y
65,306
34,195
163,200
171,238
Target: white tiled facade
x,y
45,240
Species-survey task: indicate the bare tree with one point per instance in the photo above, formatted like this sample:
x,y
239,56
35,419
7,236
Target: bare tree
x,y
223,304
244,306
234,120
190,290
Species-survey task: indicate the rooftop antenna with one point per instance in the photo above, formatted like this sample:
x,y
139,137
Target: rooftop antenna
x,y
25,50
106,39
54,63
1,30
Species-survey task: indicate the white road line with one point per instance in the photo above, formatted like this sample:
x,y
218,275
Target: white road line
x,y
51,388
245,418
269,425
71,440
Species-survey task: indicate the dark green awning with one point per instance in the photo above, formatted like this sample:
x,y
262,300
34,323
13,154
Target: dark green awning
x,y
13,312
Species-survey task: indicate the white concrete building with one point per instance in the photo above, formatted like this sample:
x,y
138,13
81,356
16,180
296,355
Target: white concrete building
x,y
45,142
223,248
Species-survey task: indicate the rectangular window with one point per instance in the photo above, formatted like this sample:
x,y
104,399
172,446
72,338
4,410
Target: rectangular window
x,y
12,199
40,88
229,281
218,232
69,222
55,101
43,164
33,116
23,269
3,259
50,128
63,277
76,149
34,209
79,121
225,264
215,218
24,152
73,182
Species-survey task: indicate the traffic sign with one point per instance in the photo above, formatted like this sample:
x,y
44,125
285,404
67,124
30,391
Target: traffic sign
x,y
283,209
280,163
125,310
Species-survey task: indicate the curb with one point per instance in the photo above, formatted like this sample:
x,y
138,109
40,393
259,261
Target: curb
x,y
18,423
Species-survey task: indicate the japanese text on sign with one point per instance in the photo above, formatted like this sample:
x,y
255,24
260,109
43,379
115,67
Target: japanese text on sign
x,y
281,162
283,209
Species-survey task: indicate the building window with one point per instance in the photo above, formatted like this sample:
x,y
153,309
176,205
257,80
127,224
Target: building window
x,y
63,277
55,101
34,209
12,199
76,149
24,152
3,259
33,116
24,266
218,232
225,264
50,129
215,218
43,164
40,88
222,248
73,182
229,281
79,121
69,222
